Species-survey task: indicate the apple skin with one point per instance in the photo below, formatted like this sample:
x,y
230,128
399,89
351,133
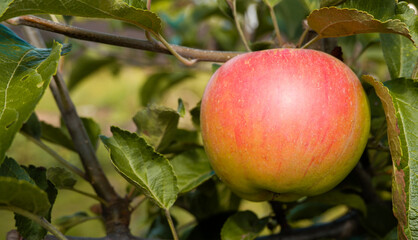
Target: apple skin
x,y
284,123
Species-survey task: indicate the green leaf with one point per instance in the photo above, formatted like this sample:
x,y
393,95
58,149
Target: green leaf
x,y
159,83
138,163
291,14
61,136
85,66
181,109
93,131
56,135
23,195
313,4
329,3
120,10
400,101
65,223
136,3
216,198
407,15
336,22
333,198
157,125
215,66
32,127
243,226
382,9
195,112
61,178
400,54
272,3
192,169
4,5
25,74
27,228
10,168
388,9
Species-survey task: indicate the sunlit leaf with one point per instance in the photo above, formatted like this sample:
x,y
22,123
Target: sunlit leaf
x,y
401,55
24,195
120,10
192,169
138,163
400,102
157,125
25,74
384,10
336,22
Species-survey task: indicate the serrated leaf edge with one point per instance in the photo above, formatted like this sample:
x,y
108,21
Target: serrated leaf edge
x,y
396,153
153,196
367,16
33,186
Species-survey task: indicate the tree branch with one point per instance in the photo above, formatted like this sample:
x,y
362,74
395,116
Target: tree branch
x,y
116,214
89,35
55,155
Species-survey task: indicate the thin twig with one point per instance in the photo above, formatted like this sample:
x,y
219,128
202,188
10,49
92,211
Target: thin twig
x,y
171,224
56,156
39,220
241,33
141,200
101,200
275,24
89,35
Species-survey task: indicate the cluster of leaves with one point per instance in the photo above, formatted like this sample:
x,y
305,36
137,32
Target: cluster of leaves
x,y
167,164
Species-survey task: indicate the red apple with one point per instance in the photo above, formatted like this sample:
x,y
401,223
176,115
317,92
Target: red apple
x,y
285,123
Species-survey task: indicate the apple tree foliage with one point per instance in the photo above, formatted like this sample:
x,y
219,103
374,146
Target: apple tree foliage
x,y
165,163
